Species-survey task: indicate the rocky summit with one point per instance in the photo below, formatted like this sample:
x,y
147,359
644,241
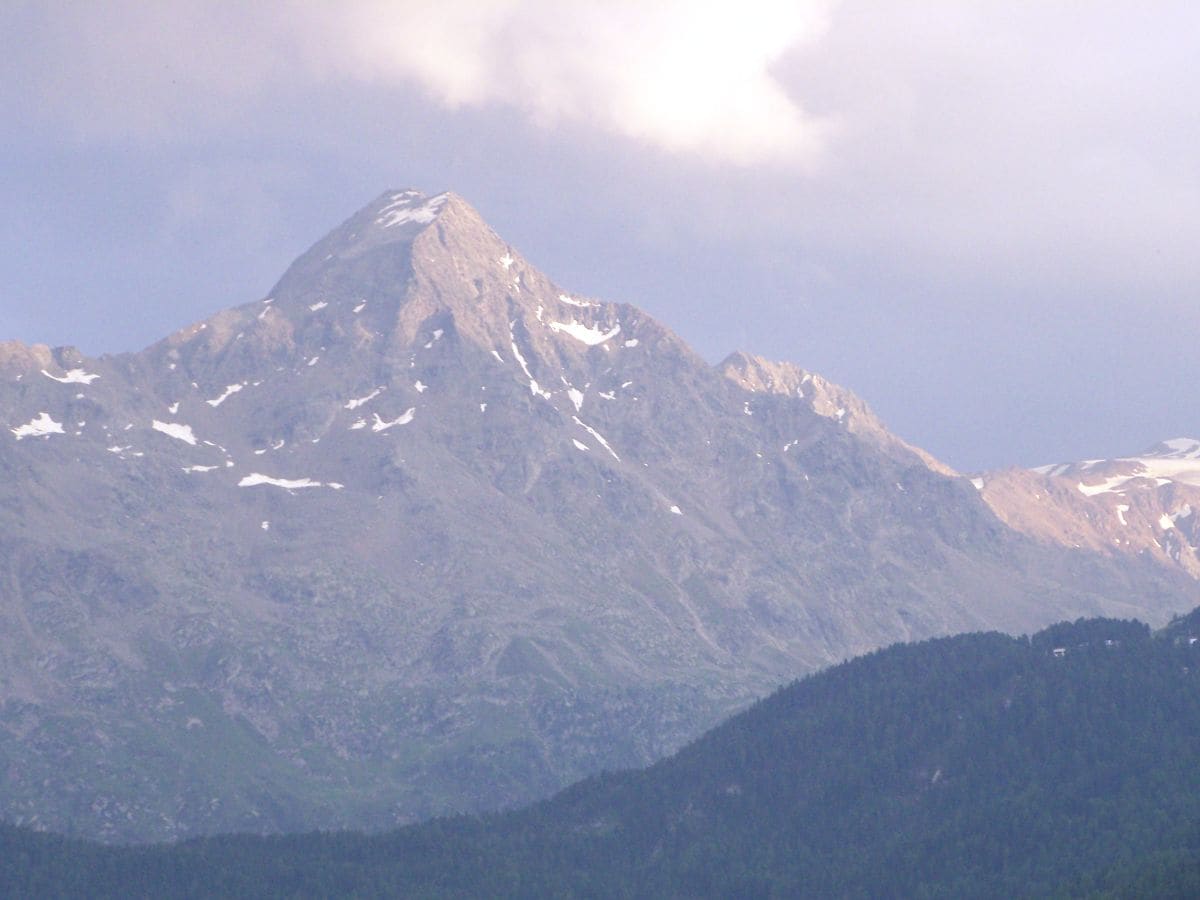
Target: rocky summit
x,y
421,531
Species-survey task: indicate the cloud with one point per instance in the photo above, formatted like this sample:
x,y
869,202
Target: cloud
x,y
685,77
688,78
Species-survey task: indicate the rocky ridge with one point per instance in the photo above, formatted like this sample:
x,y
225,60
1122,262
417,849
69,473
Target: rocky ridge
x,y
1138,506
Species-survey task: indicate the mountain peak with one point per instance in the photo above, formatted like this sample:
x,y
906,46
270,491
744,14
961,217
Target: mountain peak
x,y
418,482
407,207
377,260
403,268
394,217
760,375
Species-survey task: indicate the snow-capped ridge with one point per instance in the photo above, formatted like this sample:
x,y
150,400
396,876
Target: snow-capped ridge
x,y
1176,460
1176,448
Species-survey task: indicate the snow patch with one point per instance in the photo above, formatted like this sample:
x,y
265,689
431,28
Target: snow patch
x,y
1179,463
256,478
420,388
1121,510
74,376
1051,469
175,430
199,468
517,355
571,301
632,342
265,526
506,261
356,403
1186,448
599,437
676,511
40,426
230,390
319,305
403,419
360,307
1165,522
1108,486
534,387
587,334
401,210
576,396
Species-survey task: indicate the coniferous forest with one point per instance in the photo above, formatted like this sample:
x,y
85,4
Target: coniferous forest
x,y
983,765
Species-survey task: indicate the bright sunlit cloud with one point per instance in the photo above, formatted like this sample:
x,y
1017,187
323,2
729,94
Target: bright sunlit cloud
x,y
682,77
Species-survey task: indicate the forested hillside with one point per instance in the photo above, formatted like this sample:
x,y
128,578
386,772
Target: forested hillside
x,y
980,765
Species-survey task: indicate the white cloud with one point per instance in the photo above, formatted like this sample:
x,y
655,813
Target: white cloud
x,y
689,78
686,77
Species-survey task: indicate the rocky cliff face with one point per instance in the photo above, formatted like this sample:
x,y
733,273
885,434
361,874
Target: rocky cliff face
x,y
421,531
1130,508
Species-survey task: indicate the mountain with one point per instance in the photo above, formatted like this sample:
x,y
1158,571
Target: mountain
x,y
1139,506
421,531
975,766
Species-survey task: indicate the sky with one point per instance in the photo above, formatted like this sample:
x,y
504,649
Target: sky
x,y
982,217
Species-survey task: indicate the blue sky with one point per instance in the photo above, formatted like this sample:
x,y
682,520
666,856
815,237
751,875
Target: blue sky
x,y
980,216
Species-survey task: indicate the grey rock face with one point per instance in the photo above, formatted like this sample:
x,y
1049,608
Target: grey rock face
x,y
423,532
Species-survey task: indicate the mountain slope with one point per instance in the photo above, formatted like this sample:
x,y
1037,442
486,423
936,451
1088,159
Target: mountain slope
x,y
1137,506
973,766
420,531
